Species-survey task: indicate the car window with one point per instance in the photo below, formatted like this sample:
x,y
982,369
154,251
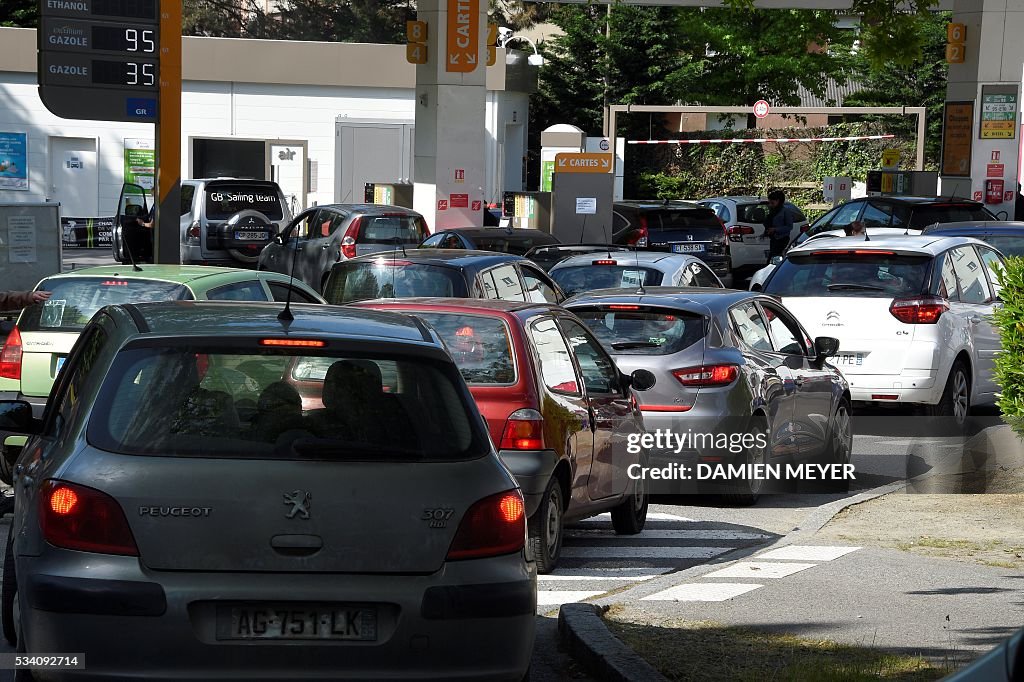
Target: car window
x,y
480,346
385,229
279,292
681,219
846,215
74,300
930,214
947,284
900,215
619,222
188,398
786,335
994,263
390,278
603,273
755,213
1008,245
850,273
971,273
223,200
643,332
750,326
822,223
70,392
304,225
188,193
249,290
433,241
685,278
704,277
876,214
326,223
599,372
556,368
502,283
537,290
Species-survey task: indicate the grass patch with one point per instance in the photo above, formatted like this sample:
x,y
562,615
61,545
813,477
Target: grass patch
x,y
711,652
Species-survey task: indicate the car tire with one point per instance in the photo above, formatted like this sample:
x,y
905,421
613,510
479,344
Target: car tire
x,y
9,592
839,449
546,528
629,517
746,492
955,401
6,471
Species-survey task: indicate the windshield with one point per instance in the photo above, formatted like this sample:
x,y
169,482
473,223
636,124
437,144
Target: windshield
x,y
479,345
1008,245
191,401
383,278
74,300
577,278
225,200
842,273
643,332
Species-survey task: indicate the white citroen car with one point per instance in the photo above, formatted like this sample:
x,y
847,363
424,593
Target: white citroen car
x,y
912,314
744,219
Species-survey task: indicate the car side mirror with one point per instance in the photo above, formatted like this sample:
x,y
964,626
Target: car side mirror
x,y
825,347
642,380
16,416
776,260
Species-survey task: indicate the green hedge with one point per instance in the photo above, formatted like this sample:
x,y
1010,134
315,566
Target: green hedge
x,y
1009,319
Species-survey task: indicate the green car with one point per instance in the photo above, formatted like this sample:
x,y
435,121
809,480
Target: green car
x,y
37,347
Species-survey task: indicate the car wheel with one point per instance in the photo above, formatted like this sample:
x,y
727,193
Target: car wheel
x,y
545,528
9,594
629,517
746,491
6,474
839,449
956,399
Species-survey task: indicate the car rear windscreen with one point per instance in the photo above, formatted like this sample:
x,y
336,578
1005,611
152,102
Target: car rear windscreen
x,y
752,213
380,278
386,229
74,300
841,273
514,244
1008,245
479,345
681,219
225,200
217,402
925,215
643,331
577,278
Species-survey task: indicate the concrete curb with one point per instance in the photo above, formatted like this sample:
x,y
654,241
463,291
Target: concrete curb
x,y
601,653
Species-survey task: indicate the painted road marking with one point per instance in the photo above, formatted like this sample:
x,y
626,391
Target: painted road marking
x,y
702,592
632,552
808,553
700,534
651,516
758,569
628,574
559,597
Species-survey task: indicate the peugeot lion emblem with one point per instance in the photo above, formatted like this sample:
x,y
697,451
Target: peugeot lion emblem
x,y
300,501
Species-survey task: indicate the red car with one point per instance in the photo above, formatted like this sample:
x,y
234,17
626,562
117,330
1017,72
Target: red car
x,y
557,407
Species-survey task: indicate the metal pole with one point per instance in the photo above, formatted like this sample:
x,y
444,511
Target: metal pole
x,y
166,228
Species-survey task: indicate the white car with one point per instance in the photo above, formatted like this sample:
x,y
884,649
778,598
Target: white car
x,y
744,219
758,279
617,269
912,314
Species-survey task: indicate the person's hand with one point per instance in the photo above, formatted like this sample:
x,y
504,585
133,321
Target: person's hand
x,y
40,296
770,232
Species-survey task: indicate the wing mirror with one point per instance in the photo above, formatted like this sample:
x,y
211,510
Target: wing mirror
x,y
16,416
825,347
776,260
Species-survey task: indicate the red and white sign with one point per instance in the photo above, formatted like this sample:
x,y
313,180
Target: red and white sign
x,y
995,170
477,206
460,201
442,204
1008,196
761,108
995,154
977,195
460,175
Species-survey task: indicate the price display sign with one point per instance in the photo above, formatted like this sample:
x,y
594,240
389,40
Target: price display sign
x,y
100,59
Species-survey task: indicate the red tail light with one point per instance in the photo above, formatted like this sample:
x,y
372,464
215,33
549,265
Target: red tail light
x,y
84,519
10,356
348,242
708,375
922,310
639,237
493,526
736,232
524,430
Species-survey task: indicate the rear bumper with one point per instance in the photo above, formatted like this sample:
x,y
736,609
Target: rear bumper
x,y
916,390
532,470
469,620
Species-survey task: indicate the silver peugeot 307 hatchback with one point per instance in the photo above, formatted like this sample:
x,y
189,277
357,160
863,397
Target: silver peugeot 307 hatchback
x,y
215,493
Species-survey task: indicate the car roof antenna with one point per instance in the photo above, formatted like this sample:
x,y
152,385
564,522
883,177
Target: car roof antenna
x,y
639,274
285,316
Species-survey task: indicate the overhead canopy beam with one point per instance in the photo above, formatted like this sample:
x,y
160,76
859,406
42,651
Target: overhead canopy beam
x,y
832,5
611,117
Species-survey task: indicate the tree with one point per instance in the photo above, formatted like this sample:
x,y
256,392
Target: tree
x,y
23,13
921,83
222,18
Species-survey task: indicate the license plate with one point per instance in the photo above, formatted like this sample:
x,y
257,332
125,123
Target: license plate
x,y
304,622
252,236
848,359
687,248
60,363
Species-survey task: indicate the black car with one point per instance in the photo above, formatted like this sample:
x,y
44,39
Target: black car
x,y
674,226
912,213
1006,236
499,239
454,273
551,255
322,236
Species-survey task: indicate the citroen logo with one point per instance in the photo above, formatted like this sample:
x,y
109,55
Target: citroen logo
x,y
299,501
832,315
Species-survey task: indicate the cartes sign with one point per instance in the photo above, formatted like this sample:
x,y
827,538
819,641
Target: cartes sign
x,y
588,162
463,36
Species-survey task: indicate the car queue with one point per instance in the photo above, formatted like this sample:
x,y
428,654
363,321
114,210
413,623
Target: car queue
x,y
495,396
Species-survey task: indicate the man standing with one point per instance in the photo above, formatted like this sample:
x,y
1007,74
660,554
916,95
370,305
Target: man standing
x,y
779,225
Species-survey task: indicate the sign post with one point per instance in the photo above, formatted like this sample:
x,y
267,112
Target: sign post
x,y
166,228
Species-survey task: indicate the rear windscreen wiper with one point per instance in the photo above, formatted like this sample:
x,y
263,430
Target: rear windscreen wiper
x,y
629,345
855,287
